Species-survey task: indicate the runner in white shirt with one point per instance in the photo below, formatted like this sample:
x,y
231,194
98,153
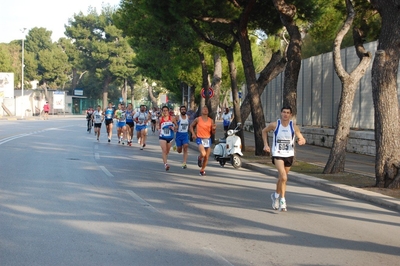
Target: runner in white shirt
x,y
121,124
142,118
154,118
282,149
182,135
98,118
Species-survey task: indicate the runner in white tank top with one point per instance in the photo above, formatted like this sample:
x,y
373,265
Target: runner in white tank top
x,y
182,135
282,152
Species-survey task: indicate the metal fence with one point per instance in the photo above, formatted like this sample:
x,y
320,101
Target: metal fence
x,y
319,90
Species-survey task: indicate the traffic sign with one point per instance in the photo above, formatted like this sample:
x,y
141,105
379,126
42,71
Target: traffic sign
x,y
210,92
240,94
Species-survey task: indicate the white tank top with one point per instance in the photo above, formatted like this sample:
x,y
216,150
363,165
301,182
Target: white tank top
x,y
97,116
183,124
283,140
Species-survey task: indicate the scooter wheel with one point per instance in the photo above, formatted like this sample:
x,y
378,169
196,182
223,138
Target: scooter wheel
x,y
236,161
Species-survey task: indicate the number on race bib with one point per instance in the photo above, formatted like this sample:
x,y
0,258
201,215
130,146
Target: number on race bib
x,y
283,145
205,142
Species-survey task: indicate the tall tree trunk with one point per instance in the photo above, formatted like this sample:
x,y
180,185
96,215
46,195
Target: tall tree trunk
x,y
274,67
257,113
337,157
216,85
132,97
153,99
192,98
258,86
235,92
106,82
124,91
287,14
75,79
384,93
205,82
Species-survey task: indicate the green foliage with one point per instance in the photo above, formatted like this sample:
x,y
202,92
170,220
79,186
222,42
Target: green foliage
x,y
100,48
165,47
5,59
323,30
45,61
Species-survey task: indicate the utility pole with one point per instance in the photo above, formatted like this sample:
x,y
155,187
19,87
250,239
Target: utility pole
x,y
22,72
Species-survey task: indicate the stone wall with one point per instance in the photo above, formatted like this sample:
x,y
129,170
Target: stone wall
x,y
362,142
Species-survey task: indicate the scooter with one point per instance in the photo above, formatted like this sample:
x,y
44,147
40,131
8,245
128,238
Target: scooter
x,y
229,149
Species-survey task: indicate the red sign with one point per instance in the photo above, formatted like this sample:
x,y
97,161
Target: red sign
x,y
210,92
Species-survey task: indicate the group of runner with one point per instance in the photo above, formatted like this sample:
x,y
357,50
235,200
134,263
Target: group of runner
x,y
171,128
126,119
178,127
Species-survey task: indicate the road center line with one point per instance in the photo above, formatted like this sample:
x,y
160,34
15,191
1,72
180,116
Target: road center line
x,y
210,252
5,140
141,201
106,171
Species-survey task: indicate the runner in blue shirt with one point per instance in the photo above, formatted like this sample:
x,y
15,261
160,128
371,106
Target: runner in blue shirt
x,y
108,120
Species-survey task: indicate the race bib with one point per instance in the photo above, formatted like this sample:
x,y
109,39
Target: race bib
x,y
166,131
205,142
184,127
284,145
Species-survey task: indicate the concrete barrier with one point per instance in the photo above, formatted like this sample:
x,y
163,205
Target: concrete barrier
x,y
361,142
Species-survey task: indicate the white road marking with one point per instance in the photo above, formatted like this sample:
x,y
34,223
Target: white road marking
x,y
141,201
96,155
106,171
5,140
210,252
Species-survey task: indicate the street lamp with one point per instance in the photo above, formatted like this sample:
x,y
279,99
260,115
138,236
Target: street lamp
x,y
22,71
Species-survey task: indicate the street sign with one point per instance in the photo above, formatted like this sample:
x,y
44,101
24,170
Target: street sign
x,y
210,92
240,94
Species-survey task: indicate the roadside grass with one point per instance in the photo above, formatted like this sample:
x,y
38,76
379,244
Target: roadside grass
x,y
350,179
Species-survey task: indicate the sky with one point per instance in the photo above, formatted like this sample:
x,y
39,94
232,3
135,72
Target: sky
x,y
52,15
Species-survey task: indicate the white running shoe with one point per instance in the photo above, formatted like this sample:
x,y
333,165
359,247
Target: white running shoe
x,y
282,205
275,202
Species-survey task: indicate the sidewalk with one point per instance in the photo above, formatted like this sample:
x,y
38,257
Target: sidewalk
x,y
355,163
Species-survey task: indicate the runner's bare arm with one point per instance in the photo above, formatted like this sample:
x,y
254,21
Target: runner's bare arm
x,y
300,139
173,119
271,126
192,126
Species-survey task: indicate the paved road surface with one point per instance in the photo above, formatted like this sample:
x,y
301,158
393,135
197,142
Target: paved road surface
x,y
66,199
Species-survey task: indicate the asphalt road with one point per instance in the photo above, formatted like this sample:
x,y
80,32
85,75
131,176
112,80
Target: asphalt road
x,y
66,199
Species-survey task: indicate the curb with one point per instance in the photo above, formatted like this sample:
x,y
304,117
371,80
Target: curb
x,y
369,196
358,193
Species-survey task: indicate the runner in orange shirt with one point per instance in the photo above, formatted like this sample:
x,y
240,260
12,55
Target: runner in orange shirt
x,y
205,127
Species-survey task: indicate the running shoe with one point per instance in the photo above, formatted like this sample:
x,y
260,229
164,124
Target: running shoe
x,y
166,167
282,205
130,143
202,173
199,161
109,140
184,166
144,145
141,148
275,202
